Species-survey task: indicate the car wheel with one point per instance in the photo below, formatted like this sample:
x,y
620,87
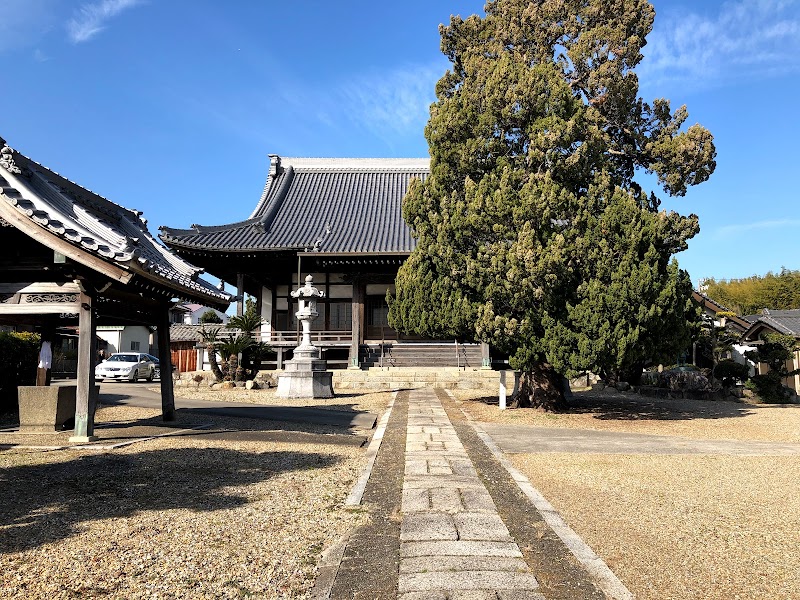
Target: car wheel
x,y
134,377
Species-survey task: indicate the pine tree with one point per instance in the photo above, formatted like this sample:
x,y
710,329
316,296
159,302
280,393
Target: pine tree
x,y
532,233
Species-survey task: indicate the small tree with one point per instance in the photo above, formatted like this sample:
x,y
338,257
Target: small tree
x,y
775,350
210,316
716,342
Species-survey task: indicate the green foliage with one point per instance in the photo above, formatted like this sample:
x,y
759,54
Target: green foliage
x,y
748,296
210,316
731,372
716,341
774,351
230,345
532,234
19,355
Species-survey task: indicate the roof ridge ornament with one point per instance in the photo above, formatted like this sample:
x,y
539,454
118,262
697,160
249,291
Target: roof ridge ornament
x,y
7,159
274,164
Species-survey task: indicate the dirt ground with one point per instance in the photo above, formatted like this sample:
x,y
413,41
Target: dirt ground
x,y
187,515
676,526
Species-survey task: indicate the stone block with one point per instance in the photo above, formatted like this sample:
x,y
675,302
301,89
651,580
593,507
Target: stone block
x,y
481,526
460,548
305,384
430,564
45,409
427,526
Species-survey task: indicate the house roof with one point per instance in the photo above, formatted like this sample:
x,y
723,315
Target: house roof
x,y
786,322
738,322
325,205
117,235
185,333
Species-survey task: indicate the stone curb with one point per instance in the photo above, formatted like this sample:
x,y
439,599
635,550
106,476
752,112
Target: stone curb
x,y
603,576
357,493
328,568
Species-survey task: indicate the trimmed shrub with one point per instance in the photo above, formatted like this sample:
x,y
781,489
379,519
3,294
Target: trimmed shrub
x,y
730,372
19,355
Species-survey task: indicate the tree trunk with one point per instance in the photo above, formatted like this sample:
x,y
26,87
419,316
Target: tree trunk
x,y
233,366
212,361
541,387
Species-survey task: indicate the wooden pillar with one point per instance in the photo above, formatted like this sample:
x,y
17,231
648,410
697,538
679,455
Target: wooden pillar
x,y
165,362
86,393
239,294
357,328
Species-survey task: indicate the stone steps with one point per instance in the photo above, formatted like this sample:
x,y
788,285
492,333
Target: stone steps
x,y
410,354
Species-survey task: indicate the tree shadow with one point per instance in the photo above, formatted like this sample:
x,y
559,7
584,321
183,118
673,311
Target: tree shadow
x,y
609,406
44,503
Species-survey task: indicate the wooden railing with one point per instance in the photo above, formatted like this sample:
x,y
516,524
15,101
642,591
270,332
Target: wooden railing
x,y
318,338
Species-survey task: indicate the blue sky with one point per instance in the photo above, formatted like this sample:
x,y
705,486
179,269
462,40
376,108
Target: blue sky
x,y
171,107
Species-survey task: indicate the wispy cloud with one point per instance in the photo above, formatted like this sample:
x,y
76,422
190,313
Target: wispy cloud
x,y
728,231
742,40
390,103
40,56
91,19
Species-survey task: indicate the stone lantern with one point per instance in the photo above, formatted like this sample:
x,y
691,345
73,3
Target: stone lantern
x,y
306,375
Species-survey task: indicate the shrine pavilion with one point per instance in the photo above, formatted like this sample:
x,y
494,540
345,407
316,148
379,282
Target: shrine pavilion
x,y
340,220
71,257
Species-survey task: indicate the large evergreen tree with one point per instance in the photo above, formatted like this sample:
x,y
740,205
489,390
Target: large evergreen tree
x,y
532,233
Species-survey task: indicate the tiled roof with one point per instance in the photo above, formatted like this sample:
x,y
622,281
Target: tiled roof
x,y
740,323
336,205
185,333
107,230
786,322
178,332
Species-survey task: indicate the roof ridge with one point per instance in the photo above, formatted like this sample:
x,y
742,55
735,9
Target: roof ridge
x,y
369,164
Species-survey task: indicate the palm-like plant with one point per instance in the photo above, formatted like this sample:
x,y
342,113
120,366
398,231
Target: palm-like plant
x,y
232,348
211,340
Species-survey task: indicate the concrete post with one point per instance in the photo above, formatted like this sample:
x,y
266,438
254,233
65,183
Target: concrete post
x,y
503,390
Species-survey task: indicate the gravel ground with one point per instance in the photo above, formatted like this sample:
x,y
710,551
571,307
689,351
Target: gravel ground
x,y
631,413
374,402
174,517
689,526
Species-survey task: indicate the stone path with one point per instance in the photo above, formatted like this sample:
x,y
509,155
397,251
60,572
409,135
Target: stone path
x,y
453,543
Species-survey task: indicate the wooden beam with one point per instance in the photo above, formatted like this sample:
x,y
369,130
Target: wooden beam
x,y
42,287
165,363
51,240
39,308
86,396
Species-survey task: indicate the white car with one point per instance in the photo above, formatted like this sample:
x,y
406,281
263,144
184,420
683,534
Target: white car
x,y
127,365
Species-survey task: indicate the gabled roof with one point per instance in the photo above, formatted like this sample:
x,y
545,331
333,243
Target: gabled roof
x,y
324,205
116,235
740,323
786,322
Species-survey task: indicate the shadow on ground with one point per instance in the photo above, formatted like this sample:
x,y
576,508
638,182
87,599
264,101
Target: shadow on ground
x,y
631,407
43,503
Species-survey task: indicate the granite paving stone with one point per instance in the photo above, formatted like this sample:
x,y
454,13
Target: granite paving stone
x,y
453,543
